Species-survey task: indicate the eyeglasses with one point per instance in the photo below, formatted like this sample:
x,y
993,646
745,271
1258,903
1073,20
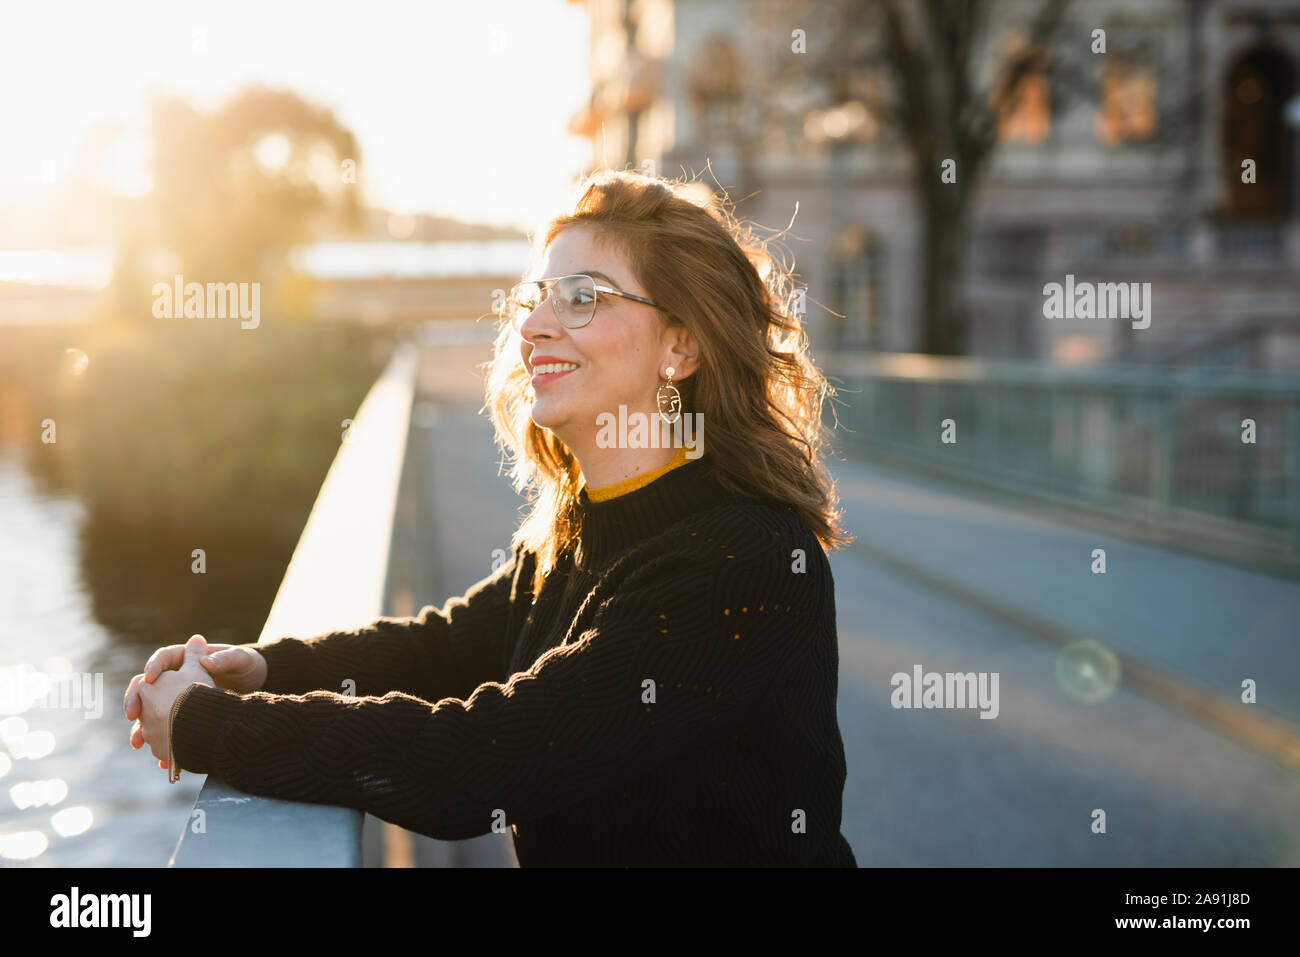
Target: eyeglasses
x,y
573,299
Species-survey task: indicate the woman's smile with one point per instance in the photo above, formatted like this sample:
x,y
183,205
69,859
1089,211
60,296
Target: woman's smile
x,y
541,378
549,368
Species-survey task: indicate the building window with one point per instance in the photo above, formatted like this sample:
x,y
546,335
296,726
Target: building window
x,y
856,280
1127,110
1024,107
714,86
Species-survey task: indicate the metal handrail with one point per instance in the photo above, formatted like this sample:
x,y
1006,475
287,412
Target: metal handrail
x,y
1152,445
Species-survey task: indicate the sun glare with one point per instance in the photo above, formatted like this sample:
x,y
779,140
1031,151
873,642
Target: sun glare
x,y
400,78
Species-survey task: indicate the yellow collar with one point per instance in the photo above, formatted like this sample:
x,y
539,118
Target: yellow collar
x,y
637,481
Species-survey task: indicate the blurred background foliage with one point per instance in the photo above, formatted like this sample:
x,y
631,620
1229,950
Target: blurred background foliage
x,y
187,435
233,191
184,434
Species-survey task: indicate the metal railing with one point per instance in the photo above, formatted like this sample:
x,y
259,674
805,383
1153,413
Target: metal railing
x,y
1158,446
335,580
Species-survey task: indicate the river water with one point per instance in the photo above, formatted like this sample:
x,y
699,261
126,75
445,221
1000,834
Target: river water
x,y
72,790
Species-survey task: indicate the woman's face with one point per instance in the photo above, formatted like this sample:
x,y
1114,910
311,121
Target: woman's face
x,y
620,354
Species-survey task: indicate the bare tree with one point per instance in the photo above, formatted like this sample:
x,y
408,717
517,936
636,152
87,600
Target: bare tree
x,y
945,107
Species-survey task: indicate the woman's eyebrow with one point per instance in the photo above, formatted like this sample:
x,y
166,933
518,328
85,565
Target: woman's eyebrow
x,y
597,274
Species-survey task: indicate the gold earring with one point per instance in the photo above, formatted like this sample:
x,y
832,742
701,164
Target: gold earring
x,y
670,401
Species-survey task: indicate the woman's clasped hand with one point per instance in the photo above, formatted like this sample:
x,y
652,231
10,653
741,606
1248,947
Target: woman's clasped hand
x,y
170,670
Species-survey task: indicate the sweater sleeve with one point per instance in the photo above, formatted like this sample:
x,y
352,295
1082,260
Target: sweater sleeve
x,y
439,653
677,660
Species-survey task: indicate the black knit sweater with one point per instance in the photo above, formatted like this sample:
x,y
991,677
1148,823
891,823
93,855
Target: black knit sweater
x,y
669,699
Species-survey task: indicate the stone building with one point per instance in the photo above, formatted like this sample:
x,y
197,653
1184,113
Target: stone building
x,y
1134,173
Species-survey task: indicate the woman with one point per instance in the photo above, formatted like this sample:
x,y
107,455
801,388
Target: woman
x,y
651,679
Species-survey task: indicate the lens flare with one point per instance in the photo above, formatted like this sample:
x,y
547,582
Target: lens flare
x,y
23,846
75,361
1087,670
72,821
27,794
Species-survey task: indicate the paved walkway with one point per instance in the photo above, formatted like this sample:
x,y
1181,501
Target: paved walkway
x,y
1185,773
464,510
1212,623
942,580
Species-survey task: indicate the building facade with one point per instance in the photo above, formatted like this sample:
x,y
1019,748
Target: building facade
x,y
1165,155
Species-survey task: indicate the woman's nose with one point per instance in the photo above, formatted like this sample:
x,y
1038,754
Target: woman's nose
x,y
541,321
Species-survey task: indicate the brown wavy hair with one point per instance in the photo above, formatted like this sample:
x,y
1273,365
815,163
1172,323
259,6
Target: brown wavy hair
x,y
755,385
